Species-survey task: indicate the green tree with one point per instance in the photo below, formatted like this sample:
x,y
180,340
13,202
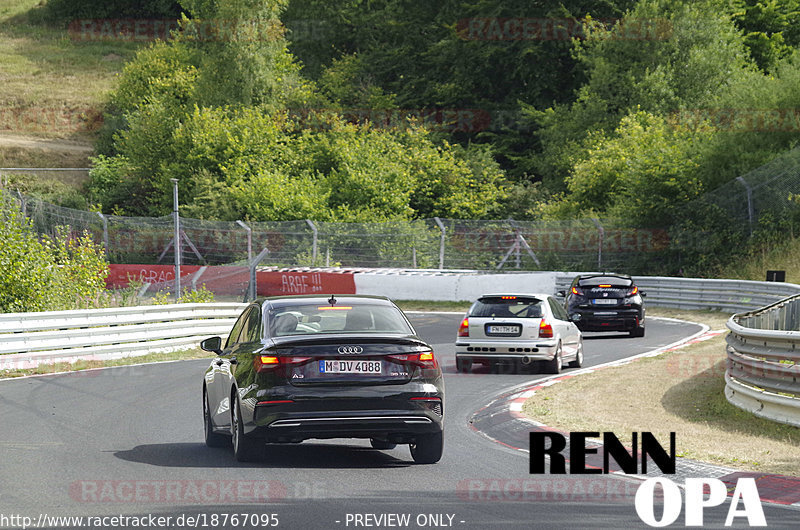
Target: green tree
x,y
62,272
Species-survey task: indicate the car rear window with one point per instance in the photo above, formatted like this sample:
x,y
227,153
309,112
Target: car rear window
x,y
304,319
613,281
507,306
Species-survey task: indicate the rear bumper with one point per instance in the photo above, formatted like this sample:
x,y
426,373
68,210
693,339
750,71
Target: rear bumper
x,y
488,351
398,427
383,412
607,320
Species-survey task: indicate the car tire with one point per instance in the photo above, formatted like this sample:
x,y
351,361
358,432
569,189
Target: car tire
x,y
213,439
245,448
428,448
638,332
578,362
463,365
553,366
381,445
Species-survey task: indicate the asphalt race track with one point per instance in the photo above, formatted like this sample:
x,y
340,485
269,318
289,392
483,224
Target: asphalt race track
x,y
129,441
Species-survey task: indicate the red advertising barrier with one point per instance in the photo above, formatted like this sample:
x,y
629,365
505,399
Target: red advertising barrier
x,y
275,283
232,280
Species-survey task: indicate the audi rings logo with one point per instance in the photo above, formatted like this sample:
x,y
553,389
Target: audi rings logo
x,y
349,350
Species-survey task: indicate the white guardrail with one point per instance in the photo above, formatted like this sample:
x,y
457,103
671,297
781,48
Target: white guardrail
x,y
30,339
762,374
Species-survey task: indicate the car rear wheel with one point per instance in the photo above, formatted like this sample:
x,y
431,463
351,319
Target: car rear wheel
x,y
245,449
428,448
554,366
637,332
381,445
213,439
463,365
578,362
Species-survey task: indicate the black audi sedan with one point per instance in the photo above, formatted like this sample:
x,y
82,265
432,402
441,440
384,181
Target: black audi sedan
x,y
606,302
301,367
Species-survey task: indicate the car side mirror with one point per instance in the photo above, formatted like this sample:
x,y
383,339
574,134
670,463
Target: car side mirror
x,y
561,293
213,344
642,294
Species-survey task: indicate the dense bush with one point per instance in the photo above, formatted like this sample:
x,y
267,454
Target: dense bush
x,y
69,10
62,272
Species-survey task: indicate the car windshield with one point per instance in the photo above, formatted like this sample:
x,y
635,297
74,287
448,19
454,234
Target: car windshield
x,y
507,306
304,319
611,281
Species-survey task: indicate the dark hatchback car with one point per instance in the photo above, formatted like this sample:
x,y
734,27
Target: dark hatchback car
x,y
302,367
606,302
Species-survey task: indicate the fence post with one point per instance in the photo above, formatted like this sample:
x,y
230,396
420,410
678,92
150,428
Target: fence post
x,y
441,242
176,247
105,231
249,239
314,243
749,192
252,290
601,233
22,205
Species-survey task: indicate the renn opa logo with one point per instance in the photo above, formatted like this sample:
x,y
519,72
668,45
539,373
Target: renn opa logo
x,y
699,493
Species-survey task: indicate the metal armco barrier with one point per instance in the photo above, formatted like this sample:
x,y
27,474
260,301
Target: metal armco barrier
x,y
703,294
30,339
762,374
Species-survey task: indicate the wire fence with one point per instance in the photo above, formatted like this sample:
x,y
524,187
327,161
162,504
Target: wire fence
x,y
584,244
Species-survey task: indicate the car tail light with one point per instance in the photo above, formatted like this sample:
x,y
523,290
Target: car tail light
x,y
577,290
632,291
268,363
545,330
463,330
424,359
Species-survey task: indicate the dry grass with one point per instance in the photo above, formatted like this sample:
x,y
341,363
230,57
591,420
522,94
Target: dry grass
x,y
48,80
680,391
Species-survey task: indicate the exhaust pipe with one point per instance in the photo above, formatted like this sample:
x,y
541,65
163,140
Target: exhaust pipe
x,y
526,360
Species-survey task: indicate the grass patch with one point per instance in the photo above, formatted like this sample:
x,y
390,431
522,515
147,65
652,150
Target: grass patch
x,y
422,305
681,391
77,366
48,77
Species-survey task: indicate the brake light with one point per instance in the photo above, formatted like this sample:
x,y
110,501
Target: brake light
x,y
605,285
633,291
267,363
463,330
424,359
577,291
508,297
545,330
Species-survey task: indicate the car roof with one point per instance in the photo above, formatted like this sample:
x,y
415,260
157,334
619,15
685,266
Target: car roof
x,y
324,299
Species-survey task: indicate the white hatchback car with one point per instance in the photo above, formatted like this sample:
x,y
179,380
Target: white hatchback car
x,y
520,329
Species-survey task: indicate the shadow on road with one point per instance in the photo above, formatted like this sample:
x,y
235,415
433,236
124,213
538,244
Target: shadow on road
x,y
305,455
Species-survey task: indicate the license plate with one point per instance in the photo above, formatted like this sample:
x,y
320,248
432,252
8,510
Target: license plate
x,y
605,301
350,367
505,330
